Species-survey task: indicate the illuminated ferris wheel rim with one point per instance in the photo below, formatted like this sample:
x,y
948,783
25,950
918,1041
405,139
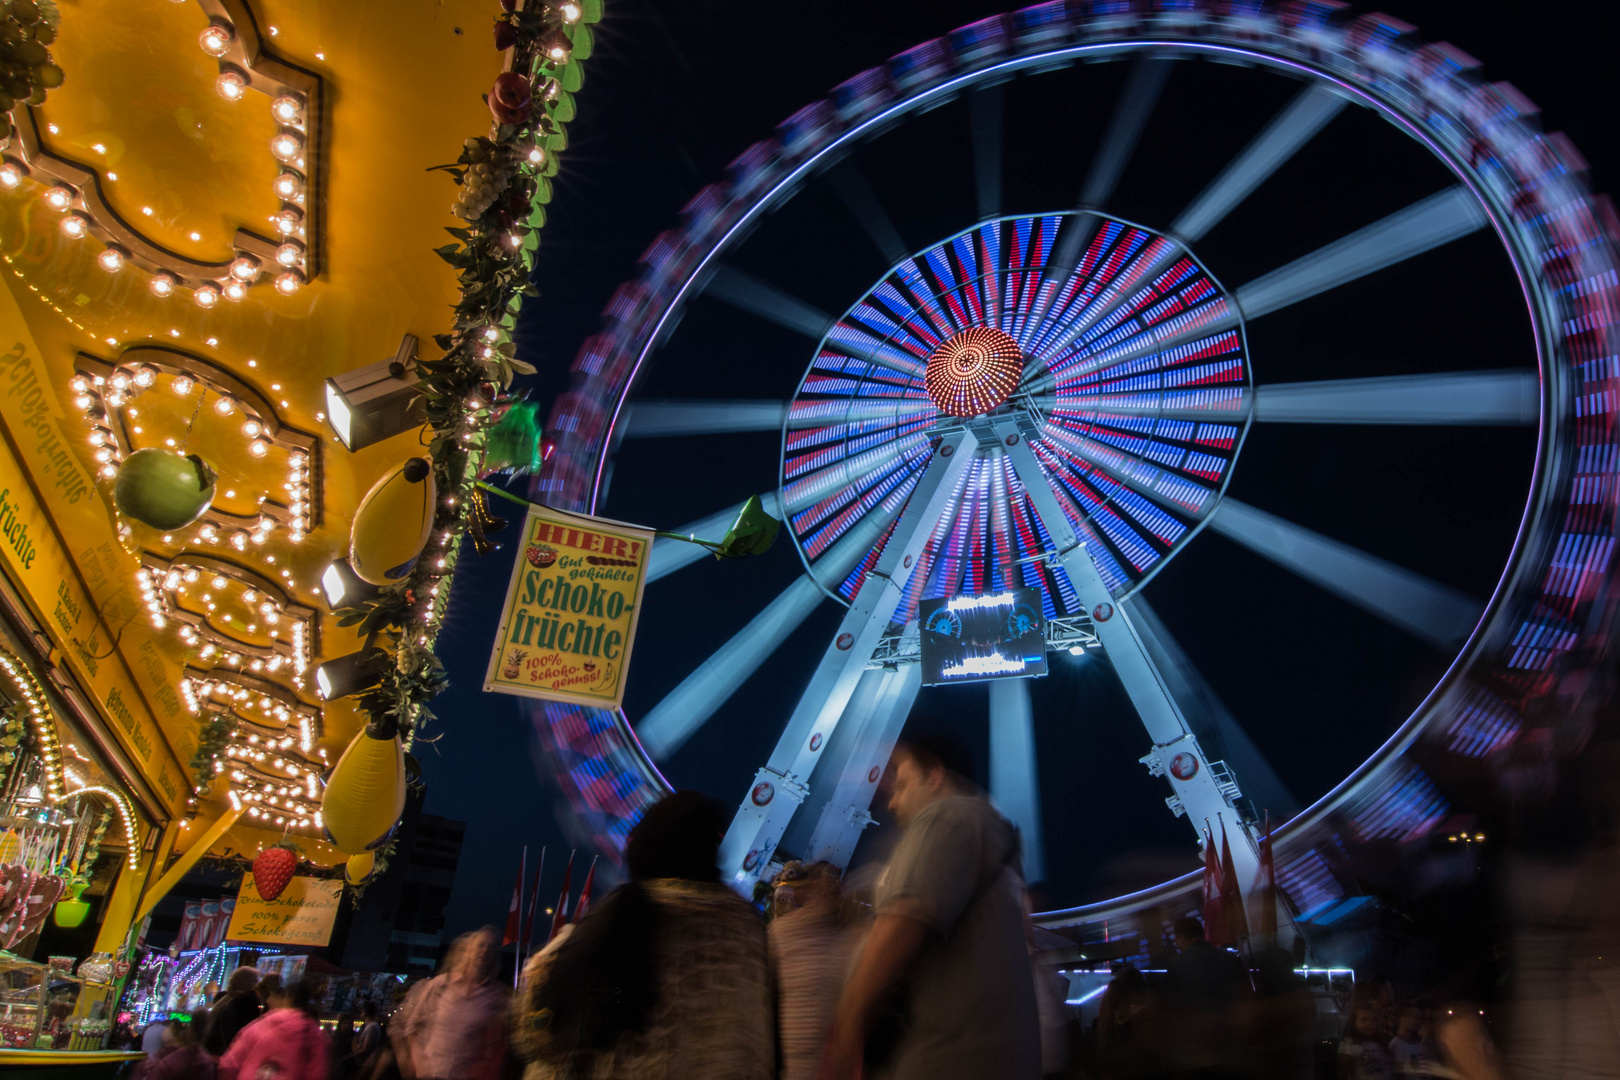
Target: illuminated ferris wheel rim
x,y
1046,316
1357,64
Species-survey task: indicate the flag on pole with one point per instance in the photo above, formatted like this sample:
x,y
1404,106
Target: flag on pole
x,y
1268,886
1237,923
534,903
559,917
585,893
1214,923
511,933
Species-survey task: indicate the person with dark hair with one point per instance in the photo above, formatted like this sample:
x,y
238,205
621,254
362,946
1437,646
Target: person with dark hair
x,y
810,953
366,1040
235,1008
187,1059
286,1042
666,977
1202,990
943,987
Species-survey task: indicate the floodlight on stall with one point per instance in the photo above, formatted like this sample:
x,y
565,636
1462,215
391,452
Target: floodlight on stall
x,y
380,400
349,675
343,587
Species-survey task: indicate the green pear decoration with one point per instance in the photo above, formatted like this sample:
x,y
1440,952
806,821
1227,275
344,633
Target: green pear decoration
x,y
71,912
164,489
751,534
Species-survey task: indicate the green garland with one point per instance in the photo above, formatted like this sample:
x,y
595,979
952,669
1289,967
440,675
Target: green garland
x,y
26,68
504,181
212,738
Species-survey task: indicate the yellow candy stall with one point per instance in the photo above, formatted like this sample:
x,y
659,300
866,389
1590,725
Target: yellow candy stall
x,y
244,383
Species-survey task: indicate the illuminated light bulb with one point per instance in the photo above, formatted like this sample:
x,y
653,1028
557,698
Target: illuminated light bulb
x,y
285,145
103,455
79,384
289,283
84,401
570,12
286,108
109,471
251,429
287,221
287,185
230,85
289,254
559,51
11,174
491,333
163,285
145,377
258,448
111,260
537,156
225,405
59,197
219,582
216,40
234,291
191,576
239,541
119,381
182,386
206,295
76,225
514,239
244,268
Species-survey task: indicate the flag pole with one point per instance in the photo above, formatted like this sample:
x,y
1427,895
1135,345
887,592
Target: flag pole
x,y
517,944
526,938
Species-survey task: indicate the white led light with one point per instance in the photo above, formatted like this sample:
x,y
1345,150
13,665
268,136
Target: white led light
x,y
162,285
230,85
206,295
111,260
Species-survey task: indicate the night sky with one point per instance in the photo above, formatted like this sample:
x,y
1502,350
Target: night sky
x,y
675,92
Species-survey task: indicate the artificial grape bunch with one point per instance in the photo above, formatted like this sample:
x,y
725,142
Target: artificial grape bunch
x,y
488,175
26,69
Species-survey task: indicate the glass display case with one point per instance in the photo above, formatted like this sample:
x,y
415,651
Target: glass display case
x,y
42,1007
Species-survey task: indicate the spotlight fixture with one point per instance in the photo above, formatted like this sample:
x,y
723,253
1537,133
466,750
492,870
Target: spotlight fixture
x,y
344,587
352,674
380,400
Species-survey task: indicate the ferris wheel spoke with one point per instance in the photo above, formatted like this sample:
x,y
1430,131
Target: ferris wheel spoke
x,y
670,555
858,197
1421,227
660,419
1143,86
1482,398
1435,613
985,117
1218,731
748,293
688,707
1296,125
1015,785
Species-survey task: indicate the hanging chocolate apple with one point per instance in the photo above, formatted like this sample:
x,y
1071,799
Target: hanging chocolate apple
x,y
164,489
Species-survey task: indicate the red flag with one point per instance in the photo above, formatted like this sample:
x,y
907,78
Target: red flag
x,y
1268,885
511,933
1237,923
534,902
1214,922
559,917
585,893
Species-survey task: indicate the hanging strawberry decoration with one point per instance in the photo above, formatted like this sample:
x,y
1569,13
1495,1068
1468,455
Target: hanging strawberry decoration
x,y
273,869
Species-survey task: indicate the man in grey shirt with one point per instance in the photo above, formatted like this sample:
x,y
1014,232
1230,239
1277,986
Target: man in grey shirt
x,y
949,941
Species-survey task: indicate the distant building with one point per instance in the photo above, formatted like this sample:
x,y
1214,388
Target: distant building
x,y
417,942
398,924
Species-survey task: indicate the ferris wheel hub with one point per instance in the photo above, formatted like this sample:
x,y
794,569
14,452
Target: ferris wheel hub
x,y
973,371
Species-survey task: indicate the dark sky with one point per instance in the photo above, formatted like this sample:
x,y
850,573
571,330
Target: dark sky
x,y
675,92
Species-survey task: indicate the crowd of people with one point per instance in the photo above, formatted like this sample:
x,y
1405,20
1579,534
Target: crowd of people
x,y
927,975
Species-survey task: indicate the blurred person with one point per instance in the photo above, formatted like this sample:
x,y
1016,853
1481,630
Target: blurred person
x,y
810,952
666,977
154,1036
366,1040
187,1059
1407,1052
1283,1018
455,1027
943,987
236,1007
286,1043
269,985
342,1040
1362,1052
158,1041
1205,994
1125,1026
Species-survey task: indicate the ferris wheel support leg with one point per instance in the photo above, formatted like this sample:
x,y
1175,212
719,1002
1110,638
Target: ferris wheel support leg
x,y
1198,791
783,784
862,745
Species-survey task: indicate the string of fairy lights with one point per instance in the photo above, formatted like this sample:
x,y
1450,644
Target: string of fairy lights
x,y
73,189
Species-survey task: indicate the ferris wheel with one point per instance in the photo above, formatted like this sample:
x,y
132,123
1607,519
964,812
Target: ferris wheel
x,y
1047,406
